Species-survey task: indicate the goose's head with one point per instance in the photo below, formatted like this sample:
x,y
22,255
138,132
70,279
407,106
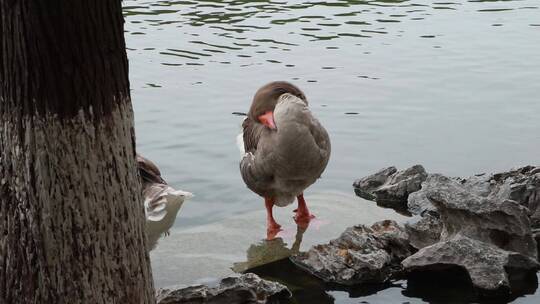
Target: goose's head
x,y
266,99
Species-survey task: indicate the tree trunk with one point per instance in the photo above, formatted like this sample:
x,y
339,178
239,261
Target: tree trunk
x,y
71,212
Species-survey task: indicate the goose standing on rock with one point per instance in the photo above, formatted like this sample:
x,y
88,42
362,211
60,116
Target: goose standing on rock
x,y
161,201
285,150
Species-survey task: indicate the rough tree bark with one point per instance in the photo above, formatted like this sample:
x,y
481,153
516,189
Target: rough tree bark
x,y
71,212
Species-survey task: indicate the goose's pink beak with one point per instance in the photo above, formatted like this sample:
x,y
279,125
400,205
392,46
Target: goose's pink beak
x,y
267,119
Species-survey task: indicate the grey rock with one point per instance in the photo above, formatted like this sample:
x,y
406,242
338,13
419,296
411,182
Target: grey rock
x,y
365,187
246,288
536,235
360,255
400,189
489,236
501,222
521,185
490,269
425,231
419,204
391,188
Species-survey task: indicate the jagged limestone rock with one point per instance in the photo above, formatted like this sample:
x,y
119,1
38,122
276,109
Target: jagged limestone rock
x,y
390,187
492,270
521,185
501,222
490,237
424,232
360,255
246,288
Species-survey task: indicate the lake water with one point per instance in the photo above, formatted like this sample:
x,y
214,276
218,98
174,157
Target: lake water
x,y
451,85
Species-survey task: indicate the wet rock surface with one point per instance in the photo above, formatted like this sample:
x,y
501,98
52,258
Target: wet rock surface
x,y
390,187
361,254
246,288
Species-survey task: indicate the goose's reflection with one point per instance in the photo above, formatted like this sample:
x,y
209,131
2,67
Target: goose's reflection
x,y
268,251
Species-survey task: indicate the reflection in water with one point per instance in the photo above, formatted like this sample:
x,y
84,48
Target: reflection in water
x,y
268,251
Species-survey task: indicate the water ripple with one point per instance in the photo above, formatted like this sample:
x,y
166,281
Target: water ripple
x,y
243,20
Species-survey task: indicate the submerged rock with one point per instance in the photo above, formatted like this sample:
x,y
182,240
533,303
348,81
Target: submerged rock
x,y
490,237
360,255
247,288
390,187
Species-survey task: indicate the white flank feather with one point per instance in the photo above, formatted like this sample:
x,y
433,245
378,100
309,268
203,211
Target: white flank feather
x,y
240,144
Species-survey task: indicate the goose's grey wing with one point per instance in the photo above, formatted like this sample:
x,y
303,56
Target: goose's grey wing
x,y
320,135
303,142
257,175
252,132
